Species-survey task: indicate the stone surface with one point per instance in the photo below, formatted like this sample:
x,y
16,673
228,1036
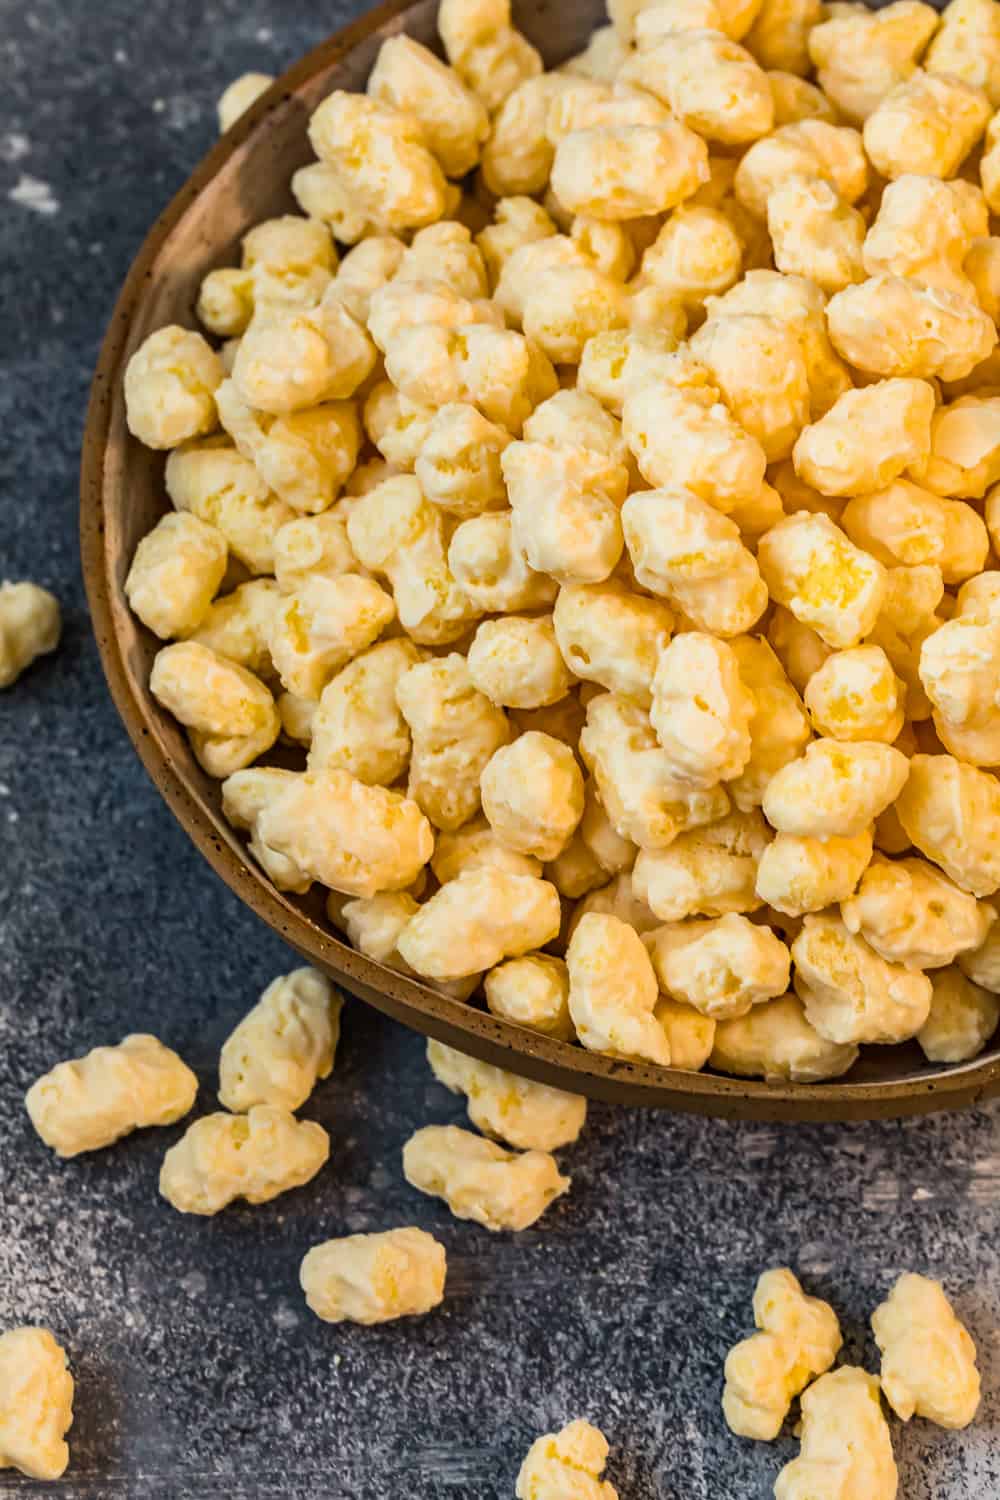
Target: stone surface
x,y
201,1374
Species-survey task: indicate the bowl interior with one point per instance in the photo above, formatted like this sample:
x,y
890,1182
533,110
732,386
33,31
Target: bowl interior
x,y
243,180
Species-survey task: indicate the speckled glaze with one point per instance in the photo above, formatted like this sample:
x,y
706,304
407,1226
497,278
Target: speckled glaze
x,y
200,1374
244,179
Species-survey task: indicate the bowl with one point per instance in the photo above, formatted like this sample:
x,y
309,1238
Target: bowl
x,y
242,181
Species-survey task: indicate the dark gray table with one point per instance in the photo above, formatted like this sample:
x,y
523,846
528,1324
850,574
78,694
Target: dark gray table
x,y
200,1373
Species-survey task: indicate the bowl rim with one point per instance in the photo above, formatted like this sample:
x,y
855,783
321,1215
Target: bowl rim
x,y
406,1000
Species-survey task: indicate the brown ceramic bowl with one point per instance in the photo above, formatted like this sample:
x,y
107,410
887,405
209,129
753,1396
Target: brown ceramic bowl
x,y
241,181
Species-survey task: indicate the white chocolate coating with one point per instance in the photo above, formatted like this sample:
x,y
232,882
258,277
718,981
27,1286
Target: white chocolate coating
x,y
912,914
411,79
927,124
776,1041
354,838
528,1116
30,626
850,993
613,991
685,551
284,1046
702,709
36,1403
566,1465
951,812
477,920
532,793
891,326
861,56
721,967
481,1181
322,625
374,1278
229,712
799,873
709,871
455,730
238,97
963,1018
378,153
846,1449
928,1358
357,725
644,798
798,1339
175,574
254,1156
532,991
836,789
93,1101
170,385
517,662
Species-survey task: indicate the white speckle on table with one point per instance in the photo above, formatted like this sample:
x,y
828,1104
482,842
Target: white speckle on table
x,y
33,193
14,146
881,1193
983,1180
761,1146
694,1441
194,1383
121,56
181,112
285,1317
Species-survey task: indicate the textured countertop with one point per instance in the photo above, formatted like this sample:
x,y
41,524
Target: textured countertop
x,y
200,1373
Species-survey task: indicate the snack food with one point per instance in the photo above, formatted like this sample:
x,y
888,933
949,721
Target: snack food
x,y
846,1445
36,1403
283,1046
239,96
566,1465
798,1339
928,1359
529,1116
481,1181
373,1278
623,443
254,1156
30,626
613,990
962,1018
93,1101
